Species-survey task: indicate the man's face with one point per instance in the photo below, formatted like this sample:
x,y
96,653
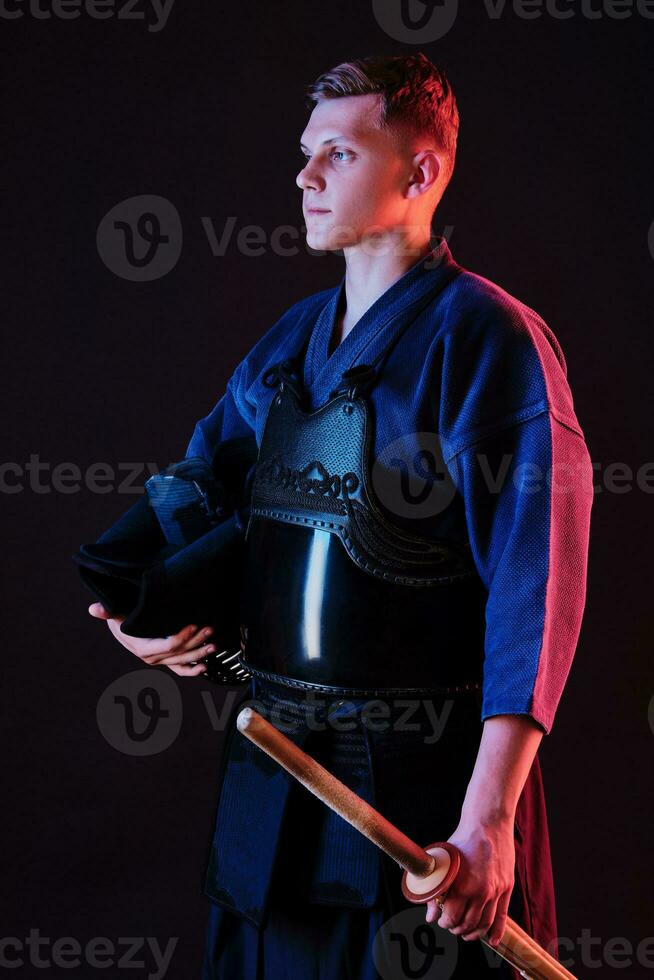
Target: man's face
x,y
355,171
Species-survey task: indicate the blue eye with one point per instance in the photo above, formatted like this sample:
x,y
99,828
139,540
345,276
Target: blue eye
x,y
342,153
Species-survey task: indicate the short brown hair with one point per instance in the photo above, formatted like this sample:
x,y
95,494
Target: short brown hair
x,y
415,94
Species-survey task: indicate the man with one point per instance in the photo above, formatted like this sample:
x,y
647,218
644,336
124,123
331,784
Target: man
x,y
345,599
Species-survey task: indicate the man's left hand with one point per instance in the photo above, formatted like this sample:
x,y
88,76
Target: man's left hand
x,y
478,900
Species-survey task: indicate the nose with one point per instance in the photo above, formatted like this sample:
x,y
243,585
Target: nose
x,y
309,178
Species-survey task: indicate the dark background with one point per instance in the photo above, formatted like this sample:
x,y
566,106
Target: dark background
x,y
552,198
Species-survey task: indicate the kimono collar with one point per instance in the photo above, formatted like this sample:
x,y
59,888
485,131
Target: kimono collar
x,y
377,325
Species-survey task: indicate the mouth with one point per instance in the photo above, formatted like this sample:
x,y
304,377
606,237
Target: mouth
x,y
318,211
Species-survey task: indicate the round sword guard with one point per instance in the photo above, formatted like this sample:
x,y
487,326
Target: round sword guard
x,y
437,882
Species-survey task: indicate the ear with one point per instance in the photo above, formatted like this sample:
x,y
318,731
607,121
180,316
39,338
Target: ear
x,y
426,170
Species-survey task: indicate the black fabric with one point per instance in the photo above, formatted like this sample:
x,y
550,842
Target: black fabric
x,y
161,578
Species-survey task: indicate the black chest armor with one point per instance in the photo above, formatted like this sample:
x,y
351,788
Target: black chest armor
x,y
338,597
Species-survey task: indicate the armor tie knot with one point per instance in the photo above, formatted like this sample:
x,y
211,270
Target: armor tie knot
x,y
355,381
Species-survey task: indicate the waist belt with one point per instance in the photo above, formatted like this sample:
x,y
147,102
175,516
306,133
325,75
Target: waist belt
x,y
284,681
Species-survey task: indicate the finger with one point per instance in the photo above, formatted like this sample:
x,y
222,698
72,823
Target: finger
x,y
433,911
113,623
97,609
194,643
498,927
190,657
469,917
100,612
165,645
453,913
483,921
197,639
185,671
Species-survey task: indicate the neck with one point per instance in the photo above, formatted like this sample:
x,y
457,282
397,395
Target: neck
x,y
369,272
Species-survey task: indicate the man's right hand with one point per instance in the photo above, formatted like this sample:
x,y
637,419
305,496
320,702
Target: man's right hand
x,y
176,651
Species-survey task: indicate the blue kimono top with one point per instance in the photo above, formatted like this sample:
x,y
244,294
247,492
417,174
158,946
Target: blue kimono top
x,y
485,375
481,380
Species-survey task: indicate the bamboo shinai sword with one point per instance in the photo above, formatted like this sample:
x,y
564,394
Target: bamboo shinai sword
x,y
428,871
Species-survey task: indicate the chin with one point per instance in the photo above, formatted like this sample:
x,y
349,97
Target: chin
x,y
322,242
327,239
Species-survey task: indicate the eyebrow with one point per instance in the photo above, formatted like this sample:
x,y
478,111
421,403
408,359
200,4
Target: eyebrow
x,y
332,139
